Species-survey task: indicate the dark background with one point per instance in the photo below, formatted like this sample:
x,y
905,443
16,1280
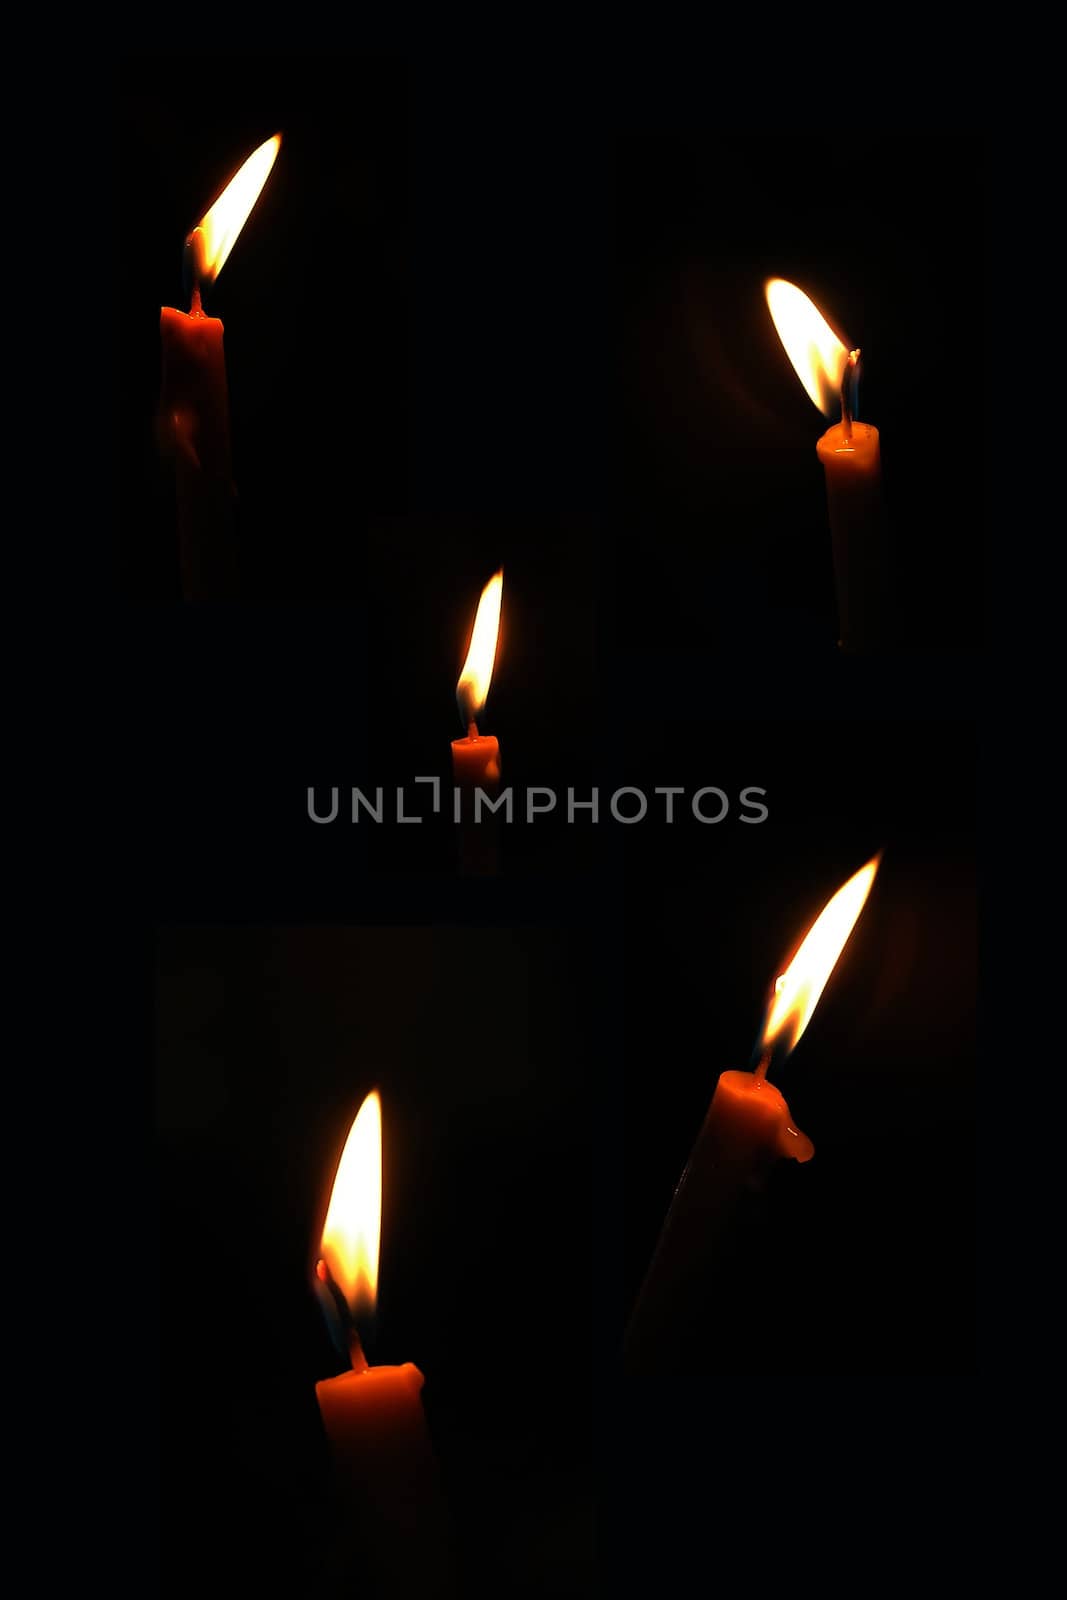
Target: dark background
x,y
546,1049
464,330
561,322
860,1262
718,498
267,1040
316,299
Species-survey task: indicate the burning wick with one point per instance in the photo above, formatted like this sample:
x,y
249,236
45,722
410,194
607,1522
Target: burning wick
x,y
467,701
355,1348
850,380
767,1057
194,269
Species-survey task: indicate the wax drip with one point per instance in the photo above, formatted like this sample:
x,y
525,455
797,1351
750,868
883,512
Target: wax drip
x,y
791,1142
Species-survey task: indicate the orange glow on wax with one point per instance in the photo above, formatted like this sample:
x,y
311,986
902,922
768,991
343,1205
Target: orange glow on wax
x,y
219,227
797,990
818,356
473,686
351,1234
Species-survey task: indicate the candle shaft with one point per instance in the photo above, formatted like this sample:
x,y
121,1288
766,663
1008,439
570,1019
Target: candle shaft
x,y
392,1536
747,1128
476,765
859,529
195,432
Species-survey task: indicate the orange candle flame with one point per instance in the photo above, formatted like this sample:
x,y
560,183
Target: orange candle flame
x,y
473,686
797,991
819,357
351,1234
216,232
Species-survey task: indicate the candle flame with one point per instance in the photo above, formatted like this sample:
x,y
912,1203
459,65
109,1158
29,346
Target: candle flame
x,y
819,357
220,226
797,990
351,1234
473,685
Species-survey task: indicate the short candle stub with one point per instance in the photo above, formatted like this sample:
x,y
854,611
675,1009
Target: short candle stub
x,y
475,767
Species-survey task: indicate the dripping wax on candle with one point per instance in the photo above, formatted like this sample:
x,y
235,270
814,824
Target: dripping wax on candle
x,y
748,1127
851,458
194,423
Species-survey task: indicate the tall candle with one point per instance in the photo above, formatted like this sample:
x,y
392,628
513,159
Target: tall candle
x,y
851,457
747,1129
384,1466
194,420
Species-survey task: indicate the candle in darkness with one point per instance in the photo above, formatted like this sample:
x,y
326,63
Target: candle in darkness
x,y
194,419
476,758
373,1416
851,458
748,1127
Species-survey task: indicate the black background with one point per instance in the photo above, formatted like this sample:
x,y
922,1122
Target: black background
x,y
482,1049
879,1283
718,483
319,402
545,349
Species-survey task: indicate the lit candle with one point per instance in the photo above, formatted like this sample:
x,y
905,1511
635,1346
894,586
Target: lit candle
x,y
373,1416
851,458
476,759
194,407
748,1127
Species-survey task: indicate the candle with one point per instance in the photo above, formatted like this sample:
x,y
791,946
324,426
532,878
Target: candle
x,y
747,1129
476,758
373,1415
194,420
851,458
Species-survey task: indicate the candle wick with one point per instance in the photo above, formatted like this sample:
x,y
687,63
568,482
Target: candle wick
x,y
765,1061
472,729
355,1351
344,1312
849,386
194,268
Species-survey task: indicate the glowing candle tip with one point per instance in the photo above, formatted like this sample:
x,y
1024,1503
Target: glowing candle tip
x,y
351,1234
215,235
797,990
474,680
818,356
